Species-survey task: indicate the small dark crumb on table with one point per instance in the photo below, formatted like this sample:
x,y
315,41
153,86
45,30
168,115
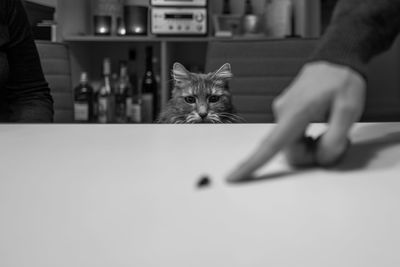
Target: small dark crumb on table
x,y
204,181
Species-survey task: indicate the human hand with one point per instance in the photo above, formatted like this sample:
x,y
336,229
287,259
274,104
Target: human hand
x,y
320,89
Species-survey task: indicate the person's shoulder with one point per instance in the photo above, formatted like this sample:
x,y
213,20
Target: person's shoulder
x,y
3,11
4,8
4,4
7,7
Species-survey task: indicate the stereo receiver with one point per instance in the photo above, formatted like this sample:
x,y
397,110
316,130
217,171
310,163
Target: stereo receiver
x,y
179,21
186,3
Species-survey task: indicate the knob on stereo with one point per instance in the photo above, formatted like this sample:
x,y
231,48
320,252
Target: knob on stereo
x,y
199,17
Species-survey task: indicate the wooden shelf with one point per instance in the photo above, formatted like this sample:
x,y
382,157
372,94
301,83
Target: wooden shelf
x,y
94,38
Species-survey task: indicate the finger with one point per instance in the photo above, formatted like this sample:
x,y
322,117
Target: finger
x,y
288,129
334,143
301,152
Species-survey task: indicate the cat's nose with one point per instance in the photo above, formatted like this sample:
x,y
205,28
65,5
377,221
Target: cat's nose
x,y
203,114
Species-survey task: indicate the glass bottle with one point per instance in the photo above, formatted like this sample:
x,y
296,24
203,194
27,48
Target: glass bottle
x,y
136,105
121,92
248,8
83,100
105,105
226,8
134,96
149,89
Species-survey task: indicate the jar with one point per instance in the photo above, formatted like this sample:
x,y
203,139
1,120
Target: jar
x,y
107,9
277,18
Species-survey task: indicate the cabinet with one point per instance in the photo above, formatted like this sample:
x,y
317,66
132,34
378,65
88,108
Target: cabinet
x,y
87,51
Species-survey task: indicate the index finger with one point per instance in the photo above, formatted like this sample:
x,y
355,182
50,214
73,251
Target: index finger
x,y
288,129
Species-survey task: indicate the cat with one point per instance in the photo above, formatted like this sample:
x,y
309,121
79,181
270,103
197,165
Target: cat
x,y
200,98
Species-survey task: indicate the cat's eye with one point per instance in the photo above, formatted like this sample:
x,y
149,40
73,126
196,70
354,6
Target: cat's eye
x,y
190,99
214,98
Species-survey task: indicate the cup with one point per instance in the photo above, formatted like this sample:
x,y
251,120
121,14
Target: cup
x,y
121,29
277,18
112,8
135,18
102,24
250,24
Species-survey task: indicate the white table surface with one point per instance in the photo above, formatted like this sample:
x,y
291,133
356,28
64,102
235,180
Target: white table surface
x,y
93,195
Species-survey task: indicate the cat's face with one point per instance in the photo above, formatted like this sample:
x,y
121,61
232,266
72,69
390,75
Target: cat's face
x,y
202,98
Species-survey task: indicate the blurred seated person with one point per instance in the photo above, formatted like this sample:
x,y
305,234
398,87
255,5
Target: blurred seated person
x,y
24,92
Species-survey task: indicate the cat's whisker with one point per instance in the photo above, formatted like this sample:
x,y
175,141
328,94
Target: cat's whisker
x,y
230,114
227,117
188,86
191,119
214,118
227,120
232,117
177,120
230,120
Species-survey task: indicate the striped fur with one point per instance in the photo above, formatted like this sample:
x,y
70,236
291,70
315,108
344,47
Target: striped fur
x,y
200,98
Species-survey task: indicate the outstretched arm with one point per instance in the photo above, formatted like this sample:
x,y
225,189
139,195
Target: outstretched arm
x,y
331,83
359,30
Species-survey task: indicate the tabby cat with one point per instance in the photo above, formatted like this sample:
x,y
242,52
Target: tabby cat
x,y
200,98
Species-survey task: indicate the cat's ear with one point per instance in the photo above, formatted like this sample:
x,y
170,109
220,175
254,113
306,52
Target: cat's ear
x,y
180,73
224,73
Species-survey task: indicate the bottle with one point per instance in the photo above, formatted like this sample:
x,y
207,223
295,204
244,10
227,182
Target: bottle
x,y
149,89
292,19
122,89
134,96
83,100
248,8
226,8
105,105
250,21
136,105
96,84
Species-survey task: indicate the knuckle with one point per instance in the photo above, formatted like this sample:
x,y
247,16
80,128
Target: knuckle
x,y
332,154
277,106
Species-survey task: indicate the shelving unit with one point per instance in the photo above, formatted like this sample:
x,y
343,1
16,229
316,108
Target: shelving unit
x,y
169,50
87,50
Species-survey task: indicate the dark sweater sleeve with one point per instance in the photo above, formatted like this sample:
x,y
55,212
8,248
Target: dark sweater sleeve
x,y
359,30
28,94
